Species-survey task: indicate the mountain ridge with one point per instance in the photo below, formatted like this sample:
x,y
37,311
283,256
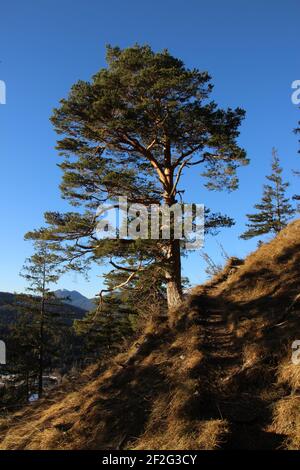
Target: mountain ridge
x,y
75,298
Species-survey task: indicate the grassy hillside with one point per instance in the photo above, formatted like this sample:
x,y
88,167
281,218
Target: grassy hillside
x,y
220,377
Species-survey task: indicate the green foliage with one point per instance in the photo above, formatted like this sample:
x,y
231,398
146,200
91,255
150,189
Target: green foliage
x,y
40,271
121,312
297,131
274,210
104,331
131,131
62,348
22,338
142,109
296,197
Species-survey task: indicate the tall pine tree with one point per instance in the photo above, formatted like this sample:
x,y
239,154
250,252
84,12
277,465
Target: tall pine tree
x,y
131,131
274,211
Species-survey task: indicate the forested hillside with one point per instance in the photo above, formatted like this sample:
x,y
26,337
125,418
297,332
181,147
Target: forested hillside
x,y
19,327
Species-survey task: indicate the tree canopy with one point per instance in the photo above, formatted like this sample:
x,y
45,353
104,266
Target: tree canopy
x,y
131,131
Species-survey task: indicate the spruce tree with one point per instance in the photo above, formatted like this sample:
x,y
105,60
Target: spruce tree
x,y
296,197
40,271
132,131
274,211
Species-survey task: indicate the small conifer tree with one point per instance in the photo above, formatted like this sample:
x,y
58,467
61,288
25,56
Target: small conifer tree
x,y
275,210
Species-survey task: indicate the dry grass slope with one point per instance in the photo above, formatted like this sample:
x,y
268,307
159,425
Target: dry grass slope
x,y
221,377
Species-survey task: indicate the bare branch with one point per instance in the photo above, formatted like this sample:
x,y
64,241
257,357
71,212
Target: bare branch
x,y
152,144
196,163
122,268
119,286
147,153
183,164
186,154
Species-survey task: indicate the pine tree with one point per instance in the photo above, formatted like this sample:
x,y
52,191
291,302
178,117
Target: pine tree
x,y
131,132
40,271
274,210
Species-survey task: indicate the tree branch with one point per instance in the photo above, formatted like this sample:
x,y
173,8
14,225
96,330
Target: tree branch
x,y
183,164
122,268
111,289
186,154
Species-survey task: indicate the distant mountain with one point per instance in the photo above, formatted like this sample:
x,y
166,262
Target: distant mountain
x,y
75,298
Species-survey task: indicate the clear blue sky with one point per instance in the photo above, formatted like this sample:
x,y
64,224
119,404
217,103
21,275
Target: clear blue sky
x,y
251,49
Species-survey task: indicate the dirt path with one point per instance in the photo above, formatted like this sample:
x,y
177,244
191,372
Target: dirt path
x,y
232,394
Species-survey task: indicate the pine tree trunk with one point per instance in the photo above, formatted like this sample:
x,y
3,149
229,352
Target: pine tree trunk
x,y
173,275
173,257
